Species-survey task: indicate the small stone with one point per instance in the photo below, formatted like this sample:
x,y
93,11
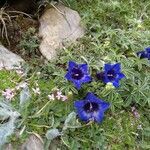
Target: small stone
x,y
9,60
59,27
33,143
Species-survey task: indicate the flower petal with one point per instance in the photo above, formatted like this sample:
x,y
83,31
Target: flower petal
x,y
98,116
105,78
84,116
86,79
116,83
117,67
142,54
104,105
77,83
81,113
71,65
90,96
148,52
68,76
107,67
147,49
120,76
79,104
84,68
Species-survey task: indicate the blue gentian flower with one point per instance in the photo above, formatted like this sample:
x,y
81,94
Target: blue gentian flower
x,y
78,74
144,54
112,74
148,52
91,108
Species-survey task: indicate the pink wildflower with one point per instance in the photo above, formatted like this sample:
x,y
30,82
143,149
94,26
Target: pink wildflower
x,y
64,98
135,112
59,95
8,94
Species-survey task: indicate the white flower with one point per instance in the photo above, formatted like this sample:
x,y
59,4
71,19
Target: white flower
x,y
51,97
19,72
139,127
59,95
36,90
21,85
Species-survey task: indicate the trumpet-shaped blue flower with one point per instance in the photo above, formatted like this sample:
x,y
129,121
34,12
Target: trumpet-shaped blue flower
x,y
144,54
112,74
78,74
91,108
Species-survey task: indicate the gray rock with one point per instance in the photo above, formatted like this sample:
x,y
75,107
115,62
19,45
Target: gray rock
x,y
33,143
59,27
8,59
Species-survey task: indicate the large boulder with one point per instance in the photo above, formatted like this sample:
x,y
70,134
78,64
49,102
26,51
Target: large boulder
x,y
9,60
59,27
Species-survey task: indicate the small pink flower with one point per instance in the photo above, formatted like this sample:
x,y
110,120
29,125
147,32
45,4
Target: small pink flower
x,y
51,97
8,94
59,95
64,98
135,112
21,85
36,90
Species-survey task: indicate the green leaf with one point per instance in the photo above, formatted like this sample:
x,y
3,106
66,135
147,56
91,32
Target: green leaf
x,y
71,121
24,95
52,134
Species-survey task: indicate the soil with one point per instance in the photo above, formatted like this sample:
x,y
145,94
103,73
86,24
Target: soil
x,y
20,23
15,29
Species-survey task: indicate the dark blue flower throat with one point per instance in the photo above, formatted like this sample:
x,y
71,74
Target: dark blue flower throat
x,y
91,107
111,74
77,73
